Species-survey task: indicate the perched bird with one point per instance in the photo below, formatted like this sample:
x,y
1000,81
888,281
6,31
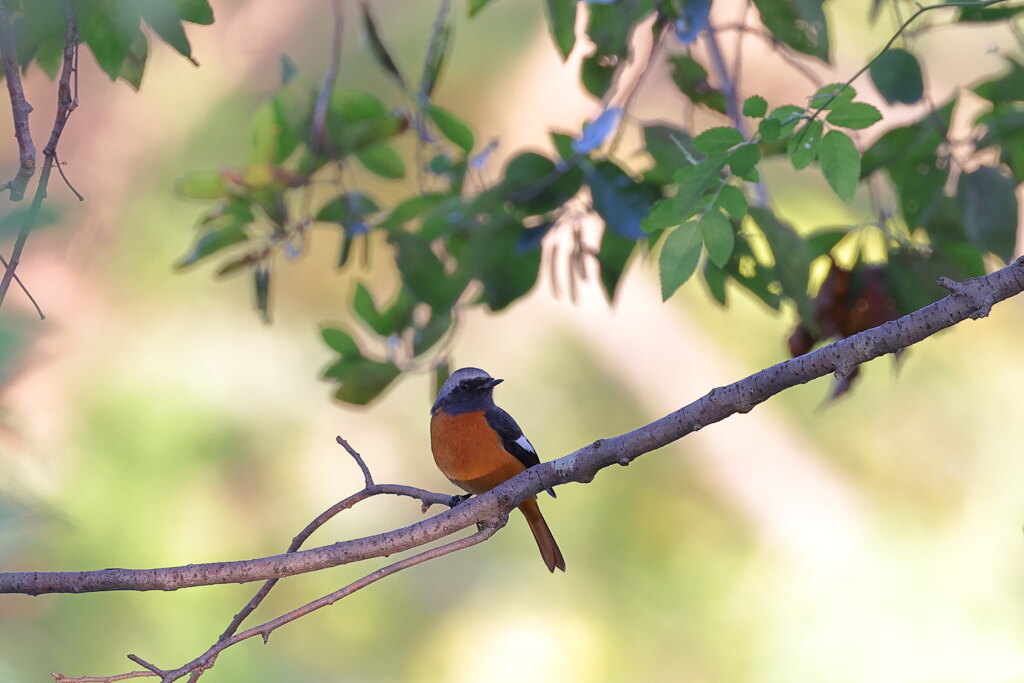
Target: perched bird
x,y
477,445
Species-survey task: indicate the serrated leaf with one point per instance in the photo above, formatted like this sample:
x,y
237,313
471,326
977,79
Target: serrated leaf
x,y
561,23
714,278
755,106
163,18
803,146
733,200
718,140
855,115
679,256
383,160
743,160
451,127
719,238
989,205
377,46
832,95
692,182
840,163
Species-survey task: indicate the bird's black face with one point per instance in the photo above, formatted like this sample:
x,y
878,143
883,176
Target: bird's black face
x,y
466,390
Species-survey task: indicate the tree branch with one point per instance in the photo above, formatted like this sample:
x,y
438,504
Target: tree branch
x,y
972,298
20,109
66,103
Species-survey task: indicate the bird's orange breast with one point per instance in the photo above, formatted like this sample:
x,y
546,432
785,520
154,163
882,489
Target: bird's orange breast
x,y
469,452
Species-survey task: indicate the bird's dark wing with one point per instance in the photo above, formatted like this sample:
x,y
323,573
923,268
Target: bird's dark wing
x,y
512,438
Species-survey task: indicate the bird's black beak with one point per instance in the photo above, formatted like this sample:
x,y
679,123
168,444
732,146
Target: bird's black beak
x,y
492,382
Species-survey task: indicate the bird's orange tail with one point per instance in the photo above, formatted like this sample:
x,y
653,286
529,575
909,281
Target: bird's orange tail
x,y
545,541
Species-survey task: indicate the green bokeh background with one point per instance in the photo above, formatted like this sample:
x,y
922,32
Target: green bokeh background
x,y
153,420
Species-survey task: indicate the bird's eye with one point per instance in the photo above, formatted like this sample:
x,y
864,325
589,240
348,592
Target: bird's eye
x,y
464,385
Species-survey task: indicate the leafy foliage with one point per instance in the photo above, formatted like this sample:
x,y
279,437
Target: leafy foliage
x,y
694,197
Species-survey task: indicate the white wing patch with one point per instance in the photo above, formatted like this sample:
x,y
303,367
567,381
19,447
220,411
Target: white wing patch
x,y
525,443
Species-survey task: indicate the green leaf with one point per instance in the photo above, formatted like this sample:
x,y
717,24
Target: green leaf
x,y
135,61
194,11
770,130
596,75
824,241
797,23
212,242
423,273
719,238
437,51
755,106
474,7
692,80
109,28
163,18
619,200
451,127
261,287
692,183
840,163
536,186
340,341
612,258
348,208
671,148
412,207
743,161
832,95
378,48
680,253
803,146
561,23
383,160
733,200
989,205
717,140
855,115
202,185
896,74
714,278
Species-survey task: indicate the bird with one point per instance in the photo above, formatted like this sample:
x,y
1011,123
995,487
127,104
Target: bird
x,y
478,446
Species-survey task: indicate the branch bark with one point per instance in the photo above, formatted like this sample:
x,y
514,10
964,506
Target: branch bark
x,y
66,103
971,299
20,109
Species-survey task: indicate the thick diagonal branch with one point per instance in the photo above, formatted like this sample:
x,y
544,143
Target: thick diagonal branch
x,y
974,297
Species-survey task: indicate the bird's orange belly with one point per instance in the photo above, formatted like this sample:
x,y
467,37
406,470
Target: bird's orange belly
x,y
469,452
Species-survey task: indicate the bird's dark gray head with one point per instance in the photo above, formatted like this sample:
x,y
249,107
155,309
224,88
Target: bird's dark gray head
x,y
466,390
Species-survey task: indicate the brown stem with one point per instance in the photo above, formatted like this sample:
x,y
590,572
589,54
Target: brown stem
x,y
20,109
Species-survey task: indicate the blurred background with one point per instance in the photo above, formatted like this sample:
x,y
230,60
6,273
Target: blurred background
x,y
152,419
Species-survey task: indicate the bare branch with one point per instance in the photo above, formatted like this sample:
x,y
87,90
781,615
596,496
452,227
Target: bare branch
x,y
20,109
66,103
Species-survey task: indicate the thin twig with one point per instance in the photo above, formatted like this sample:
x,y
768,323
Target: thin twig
x,y
60,169
65,105
20,109
367,477
39,311
61,678
318,129
205,660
